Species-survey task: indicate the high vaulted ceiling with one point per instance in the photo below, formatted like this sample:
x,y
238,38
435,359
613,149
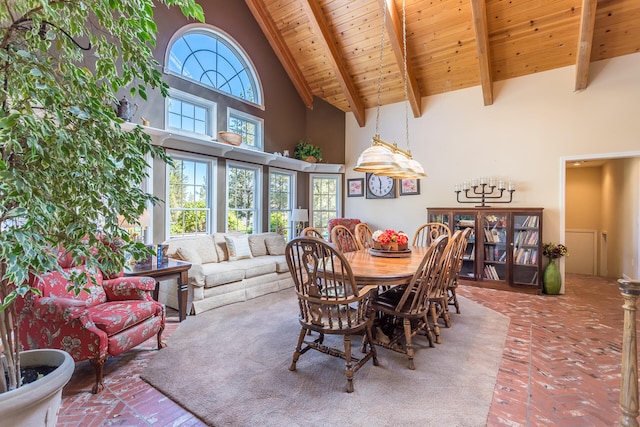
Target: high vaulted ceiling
x,y
331,48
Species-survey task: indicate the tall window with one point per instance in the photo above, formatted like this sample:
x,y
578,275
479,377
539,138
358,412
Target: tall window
x,y
189,201
214,59
250,127
281,193
325,200
243,198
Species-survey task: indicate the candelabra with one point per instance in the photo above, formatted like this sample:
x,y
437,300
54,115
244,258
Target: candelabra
x,y
481,191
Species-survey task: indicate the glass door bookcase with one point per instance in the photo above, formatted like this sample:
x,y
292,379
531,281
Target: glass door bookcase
x,y
505,250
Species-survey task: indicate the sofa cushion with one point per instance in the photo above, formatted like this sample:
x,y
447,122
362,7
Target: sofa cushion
x,y
257,245
221,247
275,245
222,273
188,254
203,245
281,264
114,317
255,267
238,247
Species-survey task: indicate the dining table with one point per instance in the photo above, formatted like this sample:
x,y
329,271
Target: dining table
x,y
374,271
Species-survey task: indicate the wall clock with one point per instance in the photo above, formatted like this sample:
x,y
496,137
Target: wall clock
x,y
380,187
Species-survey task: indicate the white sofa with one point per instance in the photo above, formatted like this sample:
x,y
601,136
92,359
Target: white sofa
x,y
225,271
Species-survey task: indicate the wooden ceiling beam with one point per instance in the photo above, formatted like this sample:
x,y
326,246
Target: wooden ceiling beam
x,y
479,12
585,43
394,29
281,50
321,28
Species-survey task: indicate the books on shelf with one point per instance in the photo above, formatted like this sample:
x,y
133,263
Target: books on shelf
x,y
530,221
491,273
495,236
526,256
528,237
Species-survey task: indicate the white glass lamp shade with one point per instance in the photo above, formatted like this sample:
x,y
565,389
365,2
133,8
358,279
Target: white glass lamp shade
x,y
300,215
417,168
376,159
402,171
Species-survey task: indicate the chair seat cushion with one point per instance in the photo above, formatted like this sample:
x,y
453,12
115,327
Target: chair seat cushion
x,y
388,301
116,316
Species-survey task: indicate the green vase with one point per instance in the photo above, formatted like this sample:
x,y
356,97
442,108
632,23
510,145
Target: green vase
x,y
551,278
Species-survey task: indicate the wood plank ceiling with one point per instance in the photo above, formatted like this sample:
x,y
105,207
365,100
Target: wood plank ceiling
x,y
331,48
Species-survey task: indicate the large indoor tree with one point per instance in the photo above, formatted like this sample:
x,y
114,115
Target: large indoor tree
x,y
69,173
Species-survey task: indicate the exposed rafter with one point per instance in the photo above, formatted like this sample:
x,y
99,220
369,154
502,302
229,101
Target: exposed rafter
x,y
585,42
281,50
325,36
479,12
394,29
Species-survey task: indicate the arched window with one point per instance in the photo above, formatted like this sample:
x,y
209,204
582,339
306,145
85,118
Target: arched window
x,y
215,60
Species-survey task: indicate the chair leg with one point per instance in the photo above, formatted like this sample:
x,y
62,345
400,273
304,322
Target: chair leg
x,y
298,352
372,348
445,312
454,298
427,330
98,363
409,344
434,317
348,363
160,343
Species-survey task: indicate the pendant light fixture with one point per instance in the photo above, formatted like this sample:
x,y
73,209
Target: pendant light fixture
x,y
383,158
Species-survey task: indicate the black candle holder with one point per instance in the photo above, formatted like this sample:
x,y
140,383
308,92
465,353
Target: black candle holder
x,y
483,192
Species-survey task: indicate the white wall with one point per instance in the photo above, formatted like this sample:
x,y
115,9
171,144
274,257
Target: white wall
x,y
534,125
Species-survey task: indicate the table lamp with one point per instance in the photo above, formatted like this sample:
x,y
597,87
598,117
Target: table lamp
x,y
299,217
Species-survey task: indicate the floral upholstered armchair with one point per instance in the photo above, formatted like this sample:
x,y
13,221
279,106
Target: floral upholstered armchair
x,y
109,317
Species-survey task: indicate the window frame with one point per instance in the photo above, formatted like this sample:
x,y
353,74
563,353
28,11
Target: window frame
x,y
214,31
257,200
210,106
211,193
258,121
338,195
292,200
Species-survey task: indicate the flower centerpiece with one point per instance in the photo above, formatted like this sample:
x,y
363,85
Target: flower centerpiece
x,y
553,251
390,240
551,279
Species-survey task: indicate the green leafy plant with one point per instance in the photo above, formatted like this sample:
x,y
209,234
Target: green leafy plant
x,y
68,171
305,149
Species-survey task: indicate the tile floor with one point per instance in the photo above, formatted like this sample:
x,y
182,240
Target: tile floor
x,y
560,367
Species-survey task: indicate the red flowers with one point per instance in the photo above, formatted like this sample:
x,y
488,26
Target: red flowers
x,y
388,236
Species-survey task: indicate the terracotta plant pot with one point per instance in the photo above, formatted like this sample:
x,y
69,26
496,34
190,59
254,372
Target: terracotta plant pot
x,y
310,159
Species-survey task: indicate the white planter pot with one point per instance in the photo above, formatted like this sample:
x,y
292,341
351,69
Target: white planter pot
x,y
37,403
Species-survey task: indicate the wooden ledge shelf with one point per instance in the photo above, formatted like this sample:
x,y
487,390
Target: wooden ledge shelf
x,y
211,147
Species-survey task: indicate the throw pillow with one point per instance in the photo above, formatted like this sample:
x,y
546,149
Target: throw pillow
x,y
189,255
238,247
256,243
275,245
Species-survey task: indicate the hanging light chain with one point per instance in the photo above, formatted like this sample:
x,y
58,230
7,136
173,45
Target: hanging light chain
x,y
406,75
384,23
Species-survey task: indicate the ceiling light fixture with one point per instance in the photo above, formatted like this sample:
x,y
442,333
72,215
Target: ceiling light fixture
x,y
384,158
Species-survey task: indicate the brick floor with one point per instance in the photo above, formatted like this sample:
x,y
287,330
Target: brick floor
x,y
560,366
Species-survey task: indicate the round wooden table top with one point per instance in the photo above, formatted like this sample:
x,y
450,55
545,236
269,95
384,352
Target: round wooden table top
x,y
380,271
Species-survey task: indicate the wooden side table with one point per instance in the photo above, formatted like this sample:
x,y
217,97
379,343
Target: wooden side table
x,y
166,271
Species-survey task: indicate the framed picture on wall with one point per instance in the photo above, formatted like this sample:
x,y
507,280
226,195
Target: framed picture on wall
x,y
355,187
409,187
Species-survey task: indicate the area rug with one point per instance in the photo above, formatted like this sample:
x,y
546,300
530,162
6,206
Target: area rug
x,y
229,367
